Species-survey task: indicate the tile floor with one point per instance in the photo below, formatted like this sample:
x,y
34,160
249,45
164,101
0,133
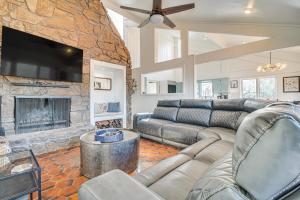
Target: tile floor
x,y
61,170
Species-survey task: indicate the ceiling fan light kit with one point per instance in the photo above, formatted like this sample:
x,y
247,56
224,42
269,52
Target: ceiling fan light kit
x,y
157,19
158,15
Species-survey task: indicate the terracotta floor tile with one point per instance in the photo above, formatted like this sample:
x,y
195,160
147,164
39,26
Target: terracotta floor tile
x,y
61,170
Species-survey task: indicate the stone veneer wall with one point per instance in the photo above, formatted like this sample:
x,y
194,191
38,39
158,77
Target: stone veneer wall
x,y
79,23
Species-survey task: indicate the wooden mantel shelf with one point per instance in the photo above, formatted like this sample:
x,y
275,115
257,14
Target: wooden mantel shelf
x,y
39,84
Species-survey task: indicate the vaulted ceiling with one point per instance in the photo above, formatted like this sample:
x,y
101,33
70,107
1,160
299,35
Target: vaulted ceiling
x,y
278,21
264,11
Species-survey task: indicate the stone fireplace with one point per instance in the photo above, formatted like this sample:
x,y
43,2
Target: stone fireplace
x,y
43,118
41,113
82,24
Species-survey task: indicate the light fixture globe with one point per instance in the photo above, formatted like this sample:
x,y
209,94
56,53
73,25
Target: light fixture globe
x,y
157,19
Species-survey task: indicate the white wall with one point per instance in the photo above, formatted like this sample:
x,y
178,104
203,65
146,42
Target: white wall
x,y
132,42
113,95
165,44
245,67
170,75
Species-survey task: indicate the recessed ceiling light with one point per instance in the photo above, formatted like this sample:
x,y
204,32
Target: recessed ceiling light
x,y
248,11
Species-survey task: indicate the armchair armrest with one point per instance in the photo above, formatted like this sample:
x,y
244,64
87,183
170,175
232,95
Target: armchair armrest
x,y
138,117
115,185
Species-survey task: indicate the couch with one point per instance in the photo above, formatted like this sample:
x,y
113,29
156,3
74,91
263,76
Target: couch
x,y
262,162
184,122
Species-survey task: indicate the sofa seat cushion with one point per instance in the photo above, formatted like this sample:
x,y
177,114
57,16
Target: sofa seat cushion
x,y
214,151
152,174
197,116
219,132
217,183
181,133
152,126
177,184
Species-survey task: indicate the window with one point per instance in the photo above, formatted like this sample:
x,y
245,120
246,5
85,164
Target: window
x,y
206,89
262,88
213,88
249,88
267,88
118,21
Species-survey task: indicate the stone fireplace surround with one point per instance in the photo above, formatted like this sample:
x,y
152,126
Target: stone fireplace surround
x,y
82,24
46,140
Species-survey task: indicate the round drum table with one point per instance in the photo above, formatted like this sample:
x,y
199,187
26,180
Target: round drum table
x,y
97,158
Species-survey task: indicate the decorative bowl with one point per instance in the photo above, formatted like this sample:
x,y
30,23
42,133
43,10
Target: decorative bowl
x,y
109,135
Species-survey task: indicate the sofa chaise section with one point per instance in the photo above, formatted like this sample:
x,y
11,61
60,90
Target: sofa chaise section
x,y
177,180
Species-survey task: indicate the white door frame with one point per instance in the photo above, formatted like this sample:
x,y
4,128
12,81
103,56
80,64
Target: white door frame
x,y
93,64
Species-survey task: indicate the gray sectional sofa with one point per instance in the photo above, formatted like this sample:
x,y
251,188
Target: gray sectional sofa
x,y
184,122
238,154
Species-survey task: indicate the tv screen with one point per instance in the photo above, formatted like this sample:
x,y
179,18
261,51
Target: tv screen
x,y
30,56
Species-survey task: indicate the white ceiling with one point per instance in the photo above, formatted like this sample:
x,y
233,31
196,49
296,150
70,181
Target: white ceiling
x,y
222,40
265,11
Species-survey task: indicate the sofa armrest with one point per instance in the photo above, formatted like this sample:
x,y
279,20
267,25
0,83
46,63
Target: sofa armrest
x,y
138,117
115,185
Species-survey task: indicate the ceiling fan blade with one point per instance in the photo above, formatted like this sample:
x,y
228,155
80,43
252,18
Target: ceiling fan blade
x,y
168,22
144,22
136,10
157,4
176,9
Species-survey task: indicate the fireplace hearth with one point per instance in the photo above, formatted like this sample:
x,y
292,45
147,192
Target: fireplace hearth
x,y
41,113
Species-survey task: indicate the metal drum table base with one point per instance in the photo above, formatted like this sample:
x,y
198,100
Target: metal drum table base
x,y
97,158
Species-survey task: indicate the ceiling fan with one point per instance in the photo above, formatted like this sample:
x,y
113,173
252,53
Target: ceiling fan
x,y
158,14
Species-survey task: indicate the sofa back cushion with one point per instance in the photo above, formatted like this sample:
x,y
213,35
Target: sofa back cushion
x,y
266,152
196,103
166,109
194,111
195,116
226,113
167,113
225,119
229,104
252,105
168,103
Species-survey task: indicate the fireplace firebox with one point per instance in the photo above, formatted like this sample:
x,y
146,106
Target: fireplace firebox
x,y
41,113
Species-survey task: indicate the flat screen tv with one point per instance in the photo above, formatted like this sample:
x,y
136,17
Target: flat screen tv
x,y
30,56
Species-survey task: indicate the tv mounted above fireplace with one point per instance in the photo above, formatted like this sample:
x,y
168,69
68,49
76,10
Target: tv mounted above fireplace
x,y
30,56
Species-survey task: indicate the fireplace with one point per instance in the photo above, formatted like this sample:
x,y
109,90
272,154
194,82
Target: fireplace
x,y
41,113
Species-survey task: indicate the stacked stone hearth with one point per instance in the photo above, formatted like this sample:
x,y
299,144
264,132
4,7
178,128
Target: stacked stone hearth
x,y
79,23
